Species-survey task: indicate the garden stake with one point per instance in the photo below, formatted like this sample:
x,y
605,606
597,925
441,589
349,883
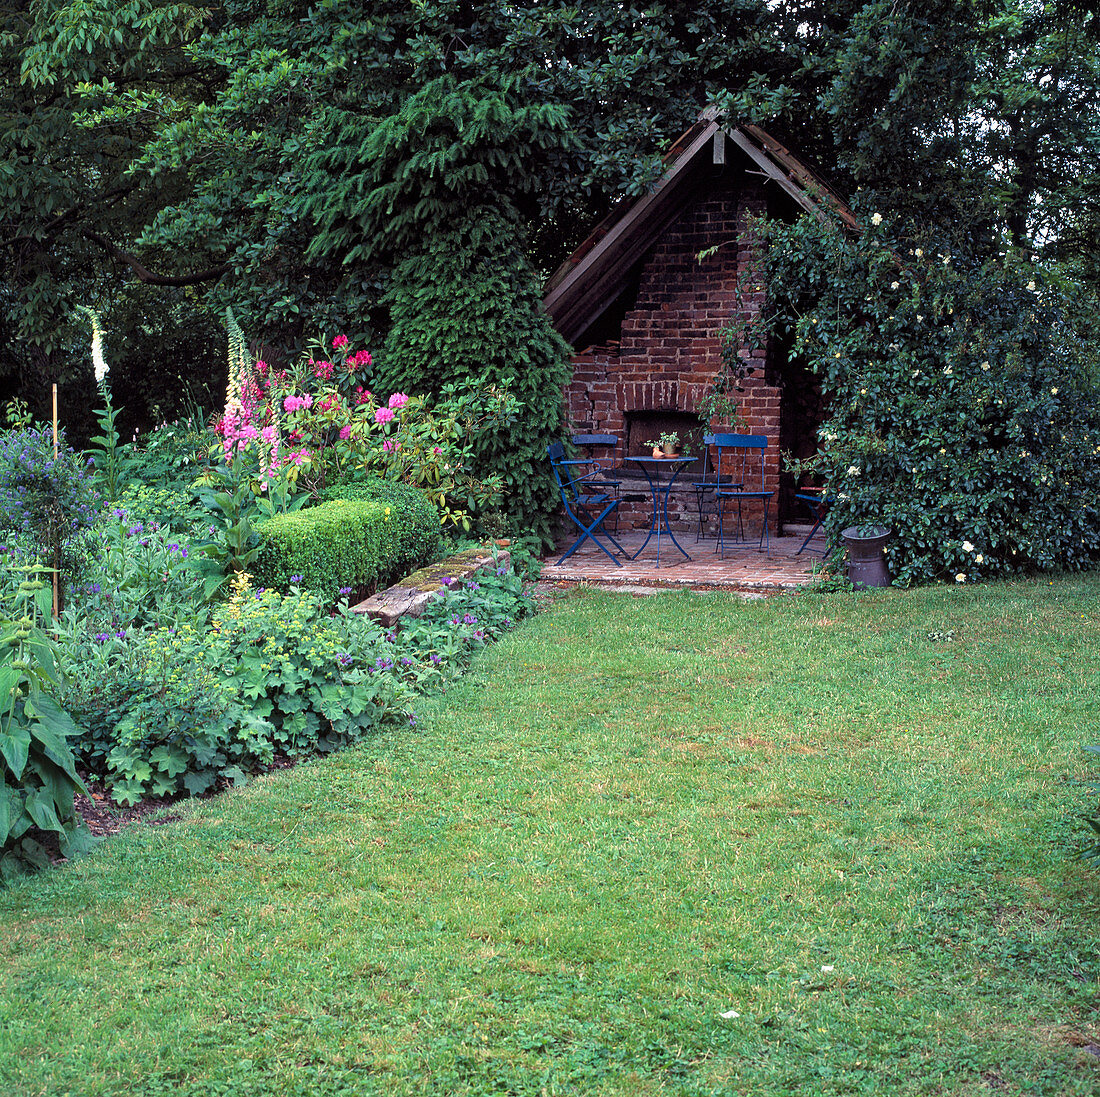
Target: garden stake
x,y
57,550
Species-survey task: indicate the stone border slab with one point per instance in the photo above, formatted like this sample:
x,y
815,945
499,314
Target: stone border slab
x,y
409,597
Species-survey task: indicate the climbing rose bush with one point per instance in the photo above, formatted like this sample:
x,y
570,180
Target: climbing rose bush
x,y
962,410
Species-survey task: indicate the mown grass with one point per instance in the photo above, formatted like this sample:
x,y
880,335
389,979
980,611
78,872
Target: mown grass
x,y
845,819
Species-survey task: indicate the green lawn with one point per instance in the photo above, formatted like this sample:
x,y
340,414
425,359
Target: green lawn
x,y
844,819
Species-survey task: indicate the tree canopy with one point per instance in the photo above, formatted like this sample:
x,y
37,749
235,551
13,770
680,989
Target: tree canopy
x,y
161,160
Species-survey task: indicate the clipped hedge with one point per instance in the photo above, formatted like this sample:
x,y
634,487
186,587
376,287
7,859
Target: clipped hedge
x,y
360,535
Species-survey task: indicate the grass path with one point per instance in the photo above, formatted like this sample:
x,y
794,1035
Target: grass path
x,y
842,819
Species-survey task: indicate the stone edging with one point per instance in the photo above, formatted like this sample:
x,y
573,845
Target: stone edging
x,y
409,597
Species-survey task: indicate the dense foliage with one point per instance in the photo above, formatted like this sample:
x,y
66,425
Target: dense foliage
x,y
38,778
348,544
962,402
186,707
164,160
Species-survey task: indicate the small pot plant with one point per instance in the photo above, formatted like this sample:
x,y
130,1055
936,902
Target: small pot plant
x,y
667,445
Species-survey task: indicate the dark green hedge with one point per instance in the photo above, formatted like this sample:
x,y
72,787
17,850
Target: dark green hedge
x,y
360,535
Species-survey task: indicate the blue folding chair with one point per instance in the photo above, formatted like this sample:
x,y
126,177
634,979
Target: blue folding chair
x,y
746,456
818,503
603,465
706,490
588,508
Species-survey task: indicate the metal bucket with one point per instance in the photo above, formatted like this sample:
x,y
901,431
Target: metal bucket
x,y
866,547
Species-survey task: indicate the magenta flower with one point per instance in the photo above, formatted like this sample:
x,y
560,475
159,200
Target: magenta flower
x,y
383,415
397,401
340,341
345,432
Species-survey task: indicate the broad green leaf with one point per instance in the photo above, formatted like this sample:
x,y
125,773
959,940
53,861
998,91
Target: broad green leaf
x,y
14,746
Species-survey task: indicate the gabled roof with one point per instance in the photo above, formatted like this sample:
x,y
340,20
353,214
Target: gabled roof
x,y
594,276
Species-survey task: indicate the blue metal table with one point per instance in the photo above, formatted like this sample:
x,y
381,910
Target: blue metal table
x,y
659,490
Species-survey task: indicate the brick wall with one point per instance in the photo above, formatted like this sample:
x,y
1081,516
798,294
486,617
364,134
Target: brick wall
x,y
669,350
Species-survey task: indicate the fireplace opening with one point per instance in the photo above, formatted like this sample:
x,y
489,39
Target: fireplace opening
x,y
646,426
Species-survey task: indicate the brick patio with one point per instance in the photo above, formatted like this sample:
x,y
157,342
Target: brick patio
x,y
744,567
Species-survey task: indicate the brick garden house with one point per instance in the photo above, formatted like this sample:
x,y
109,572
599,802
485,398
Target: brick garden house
x,y
645,314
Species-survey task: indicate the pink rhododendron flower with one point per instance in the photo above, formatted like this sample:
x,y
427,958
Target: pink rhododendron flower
x,y
340,341
362,396
388,446
383,415
323,370
345,432
397,401
437,451
361,358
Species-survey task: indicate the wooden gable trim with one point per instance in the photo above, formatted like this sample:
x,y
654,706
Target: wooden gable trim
x,y
595,275
605,266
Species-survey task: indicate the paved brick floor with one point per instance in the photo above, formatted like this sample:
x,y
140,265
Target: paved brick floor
x,y
744,567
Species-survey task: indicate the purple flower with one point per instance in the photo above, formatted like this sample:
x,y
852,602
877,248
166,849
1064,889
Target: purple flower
x,y
345,660
101,637
469,619
437,659
183,553
446,581
382,663
405,661
345,590
96,588
454,620
391,637
412,720
295,579
502,571
473,586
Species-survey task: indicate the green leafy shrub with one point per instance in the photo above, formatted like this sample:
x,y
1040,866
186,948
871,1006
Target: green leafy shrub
x,y
467,305
309,674
174,508
377,534
180,710
434,187
170,456
160,721
960,407
39,775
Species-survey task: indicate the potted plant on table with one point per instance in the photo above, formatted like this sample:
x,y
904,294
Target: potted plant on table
x,y
667,445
